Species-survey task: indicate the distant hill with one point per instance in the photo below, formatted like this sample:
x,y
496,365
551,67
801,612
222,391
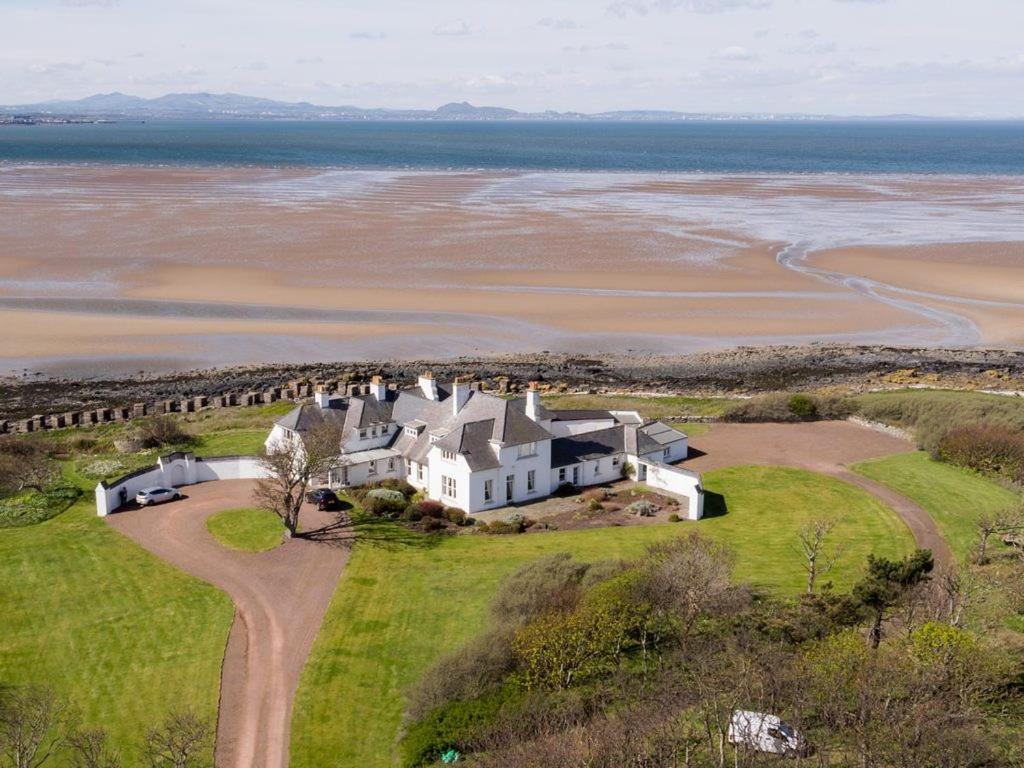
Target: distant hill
x,y
227,105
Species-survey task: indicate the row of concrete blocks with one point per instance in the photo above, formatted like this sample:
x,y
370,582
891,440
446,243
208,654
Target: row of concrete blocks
x,y
293,390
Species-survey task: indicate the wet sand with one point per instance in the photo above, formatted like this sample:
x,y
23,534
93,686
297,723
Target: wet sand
x,y
263,265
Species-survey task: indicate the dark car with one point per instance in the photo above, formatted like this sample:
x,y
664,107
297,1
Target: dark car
x,y
324,498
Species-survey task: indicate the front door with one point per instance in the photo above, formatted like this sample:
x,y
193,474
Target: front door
x,y
575,475
641,473
510,485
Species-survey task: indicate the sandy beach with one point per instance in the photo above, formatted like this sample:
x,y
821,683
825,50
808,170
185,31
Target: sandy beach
x,y
221,266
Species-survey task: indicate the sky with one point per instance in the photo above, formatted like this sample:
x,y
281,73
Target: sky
x,y
845,57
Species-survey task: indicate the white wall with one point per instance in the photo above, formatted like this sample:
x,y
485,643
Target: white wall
x,y
183,469
678,481
359,474
355,444
470,485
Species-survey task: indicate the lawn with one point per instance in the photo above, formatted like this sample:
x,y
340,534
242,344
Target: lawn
x,y
250,530
953,496
124,636
397,608
649,406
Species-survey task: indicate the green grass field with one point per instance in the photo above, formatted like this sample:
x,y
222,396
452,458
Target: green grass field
x,y
954,497
250,530
398,608
124,636
651,407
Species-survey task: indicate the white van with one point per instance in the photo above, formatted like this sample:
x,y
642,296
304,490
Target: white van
x,y
762,732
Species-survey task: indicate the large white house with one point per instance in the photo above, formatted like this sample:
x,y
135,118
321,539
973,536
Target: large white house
x,y
473,450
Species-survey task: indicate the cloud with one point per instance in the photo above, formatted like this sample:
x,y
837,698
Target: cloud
x,y
644,7
735,53
90,3
253,66
553,23
309,60
453,29
592,48
56,67
368,35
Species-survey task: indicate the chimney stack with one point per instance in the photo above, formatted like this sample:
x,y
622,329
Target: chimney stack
x,y
533,401
379,389
461,391
428,385
321,396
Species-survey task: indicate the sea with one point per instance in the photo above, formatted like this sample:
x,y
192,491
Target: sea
x,y
768,147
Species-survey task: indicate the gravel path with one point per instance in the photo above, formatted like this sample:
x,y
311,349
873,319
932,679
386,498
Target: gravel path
x,y
829,447
280,598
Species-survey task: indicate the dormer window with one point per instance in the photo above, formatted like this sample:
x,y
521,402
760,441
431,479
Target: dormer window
x,y
448,455
527,449
410,432
384,429
363,434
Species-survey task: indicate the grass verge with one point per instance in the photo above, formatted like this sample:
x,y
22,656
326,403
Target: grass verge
x,y
121,634
954,497
249,529
398,607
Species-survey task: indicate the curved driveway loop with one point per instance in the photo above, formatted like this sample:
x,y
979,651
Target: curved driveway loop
x,y
828,447
280,599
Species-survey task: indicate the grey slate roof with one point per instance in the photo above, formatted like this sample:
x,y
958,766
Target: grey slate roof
x,y
472,440
661,432
304,417
588,446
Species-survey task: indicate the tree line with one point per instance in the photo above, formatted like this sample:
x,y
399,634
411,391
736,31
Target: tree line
x,y
38,728
643,664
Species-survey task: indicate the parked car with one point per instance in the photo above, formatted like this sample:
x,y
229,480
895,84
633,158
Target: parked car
x,y
156,495
762,732
324,498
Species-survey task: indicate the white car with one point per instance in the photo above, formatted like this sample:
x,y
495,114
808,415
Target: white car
x,y
156,495
762,732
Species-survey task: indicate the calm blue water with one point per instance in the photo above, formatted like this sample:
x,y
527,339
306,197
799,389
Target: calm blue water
x,y
715,147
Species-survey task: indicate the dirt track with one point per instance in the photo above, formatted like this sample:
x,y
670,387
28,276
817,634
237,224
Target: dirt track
x,y
280,599
829,447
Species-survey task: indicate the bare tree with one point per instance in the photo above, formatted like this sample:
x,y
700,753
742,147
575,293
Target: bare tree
x,y
1003,521
183,740
30,721
291,465
25,464
812,544
89,749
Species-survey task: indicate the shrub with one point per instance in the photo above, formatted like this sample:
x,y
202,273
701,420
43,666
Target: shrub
x,y
430,508
500,527
431,524
643,508
449,726
565,489
674,518
595,506
411,514
385,502
803,407
992,449
158,431
551,583
465,674
930,415
780,407
596,494
33,507
455,515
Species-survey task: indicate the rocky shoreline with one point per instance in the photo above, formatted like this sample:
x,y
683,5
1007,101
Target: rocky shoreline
x,y
738,371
